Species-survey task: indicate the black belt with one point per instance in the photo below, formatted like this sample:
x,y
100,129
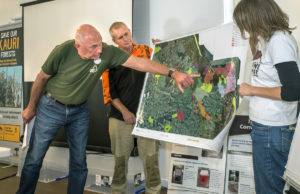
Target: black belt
x,y
67,105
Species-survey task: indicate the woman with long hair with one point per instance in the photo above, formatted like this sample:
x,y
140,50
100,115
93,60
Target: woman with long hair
x,y
274,89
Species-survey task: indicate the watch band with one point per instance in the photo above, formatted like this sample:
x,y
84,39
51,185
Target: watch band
x,y
171,71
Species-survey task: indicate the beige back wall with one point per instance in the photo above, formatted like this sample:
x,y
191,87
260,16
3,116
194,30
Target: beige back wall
x,y
10,9
292,8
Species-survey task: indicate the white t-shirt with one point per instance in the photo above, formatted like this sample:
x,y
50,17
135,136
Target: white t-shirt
x,y
282,47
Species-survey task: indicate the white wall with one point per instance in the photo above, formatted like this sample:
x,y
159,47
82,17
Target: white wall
x,y
173,18
10,9
166,19
292,9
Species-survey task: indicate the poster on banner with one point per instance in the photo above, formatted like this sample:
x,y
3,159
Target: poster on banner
x,y
197,170
11,83
202,115
239,168
11,47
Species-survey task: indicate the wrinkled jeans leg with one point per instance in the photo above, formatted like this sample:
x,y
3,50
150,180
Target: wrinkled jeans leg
x,y
270,153
49,119
77,125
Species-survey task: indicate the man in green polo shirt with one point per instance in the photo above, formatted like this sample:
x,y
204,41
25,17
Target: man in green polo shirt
x,y
59,98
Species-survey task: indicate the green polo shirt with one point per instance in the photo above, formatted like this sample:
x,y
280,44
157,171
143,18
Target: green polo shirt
x,y
74,78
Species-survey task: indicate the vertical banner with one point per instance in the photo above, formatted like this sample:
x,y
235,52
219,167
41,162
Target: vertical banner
x,y
11,83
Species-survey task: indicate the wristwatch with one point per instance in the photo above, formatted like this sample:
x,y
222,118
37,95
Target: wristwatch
x,y
171,71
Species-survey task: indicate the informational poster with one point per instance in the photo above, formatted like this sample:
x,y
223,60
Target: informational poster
x,y
239,168
197,170
11,47
202,115
11,83
11,88
10,133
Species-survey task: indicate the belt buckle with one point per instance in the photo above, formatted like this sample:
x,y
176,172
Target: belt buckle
x,y
48,95
66,105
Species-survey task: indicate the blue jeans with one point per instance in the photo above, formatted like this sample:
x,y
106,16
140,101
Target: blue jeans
x,y
49,118
271,147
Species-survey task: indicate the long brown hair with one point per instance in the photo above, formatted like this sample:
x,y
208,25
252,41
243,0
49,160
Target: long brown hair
x,y
260,18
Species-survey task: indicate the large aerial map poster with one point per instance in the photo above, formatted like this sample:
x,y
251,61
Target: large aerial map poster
x,y
202,115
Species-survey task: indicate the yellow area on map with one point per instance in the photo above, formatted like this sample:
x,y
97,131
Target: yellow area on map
x,y
206,87
167,128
